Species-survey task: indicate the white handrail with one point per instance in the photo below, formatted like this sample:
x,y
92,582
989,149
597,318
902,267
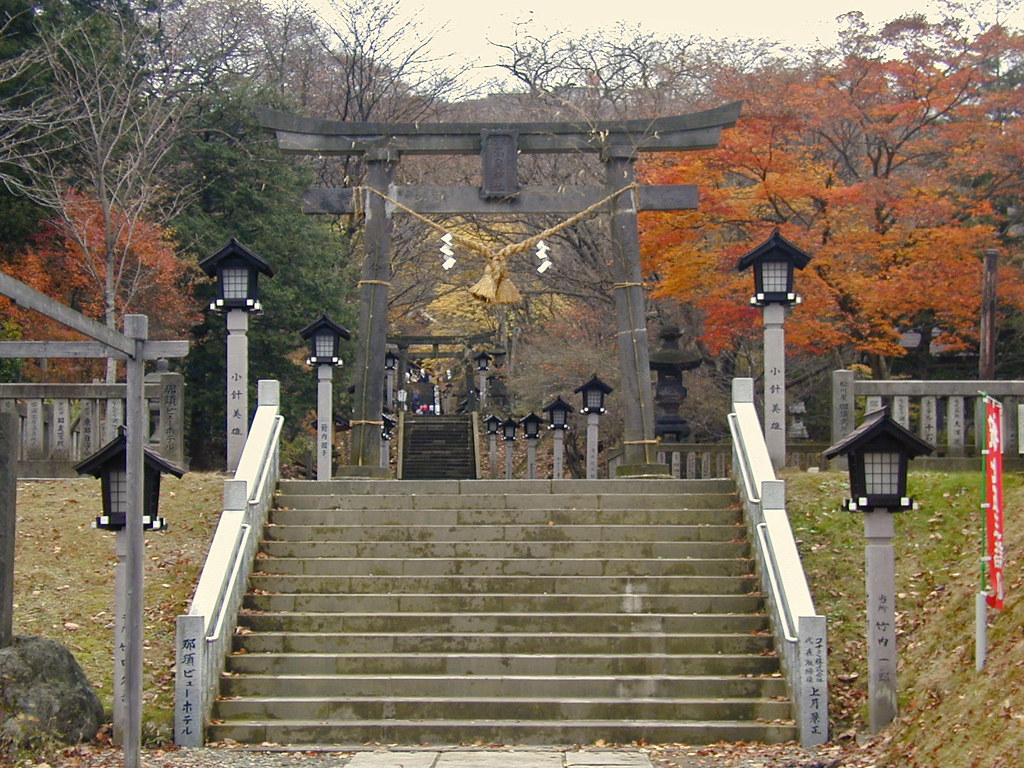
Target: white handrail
x,y
201,641
799,632
237,564
789,629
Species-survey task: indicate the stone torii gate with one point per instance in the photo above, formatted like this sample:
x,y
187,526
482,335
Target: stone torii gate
x,y
617,143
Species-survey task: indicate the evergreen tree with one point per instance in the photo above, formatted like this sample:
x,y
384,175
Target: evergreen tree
x,y
253,192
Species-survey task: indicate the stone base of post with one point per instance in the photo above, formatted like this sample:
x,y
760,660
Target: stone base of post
x,y
364,472
641,471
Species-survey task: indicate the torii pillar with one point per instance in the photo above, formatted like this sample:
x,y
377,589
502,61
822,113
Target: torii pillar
x,y
634,356
373,314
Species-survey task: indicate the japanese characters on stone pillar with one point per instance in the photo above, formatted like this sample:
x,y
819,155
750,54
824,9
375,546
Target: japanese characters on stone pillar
x,y
813,661
188,694
172,418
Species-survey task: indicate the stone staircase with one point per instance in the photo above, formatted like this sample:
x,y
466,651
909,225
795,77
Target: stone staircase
x,y
503,612
438,448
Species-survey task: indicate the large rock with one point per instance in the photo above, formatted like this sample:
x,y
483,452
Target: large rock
x,y
44,693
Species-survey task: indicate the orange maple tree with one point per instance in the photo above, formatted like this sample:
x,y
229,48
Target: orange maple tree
x,y
138,272
885,160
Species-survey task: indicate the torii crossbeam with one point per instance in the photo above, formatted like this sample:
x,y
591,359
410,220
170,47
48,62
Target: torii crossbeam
x,y
617,143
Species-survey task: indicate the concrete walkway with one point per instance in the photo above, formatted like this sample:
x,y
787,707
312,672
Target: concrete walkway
x,y
466,758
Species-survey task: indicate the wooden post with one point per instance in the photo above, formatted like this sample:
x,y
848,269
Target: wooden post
x,y
634,360
136,328
373,313
987,356
8,514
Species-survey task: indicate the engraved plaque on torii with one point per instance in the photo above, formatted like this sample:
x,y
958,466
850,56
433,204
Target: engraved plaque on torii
x,y
499,153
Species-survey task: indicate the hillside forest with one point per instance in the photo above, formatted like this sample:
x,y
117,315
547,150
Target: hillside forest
x,y
130,150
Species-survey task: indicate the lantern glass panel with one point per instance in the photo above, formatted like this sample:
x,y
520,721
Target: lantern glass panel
x,y
558,417
774,277
323,345
117,489
882,473
592,399
236,282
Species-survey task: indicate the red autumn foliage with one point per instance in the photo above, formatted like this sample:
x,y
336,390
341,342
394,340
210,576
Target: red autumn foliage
x,y
890,160
81,267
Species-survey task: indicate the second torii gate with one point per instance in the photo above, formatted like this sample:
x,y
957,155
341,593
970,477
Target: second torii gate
x,y
617,143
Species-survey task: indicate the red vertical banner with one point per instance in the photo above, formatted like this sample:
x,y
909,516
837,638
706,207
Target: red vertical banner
x,y
994,550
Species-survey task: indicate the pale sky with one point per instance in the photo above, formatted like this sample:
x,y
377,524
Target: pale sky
x,y
471,23
464,28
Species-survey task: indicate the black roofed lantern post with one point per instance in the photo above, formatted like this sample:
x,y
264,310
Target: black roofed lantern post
x,y
593,392
390,369
110,465
237,270
324,336
483,364
531,431
387,433
508,432
878,452
493,425
558,413
774,262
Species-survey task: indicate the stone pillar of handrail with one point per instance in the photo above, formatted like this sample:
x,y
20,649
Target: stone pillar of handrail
x,y
204,633
799,632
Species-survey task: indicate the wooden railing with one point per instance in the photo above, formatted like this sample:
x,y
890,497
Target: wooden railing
x,y
61,424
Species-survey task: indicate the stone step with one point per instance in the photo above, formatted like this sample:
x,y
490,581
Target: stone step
x,y
520,612
558,665
350,487
339,706
499,642
507,622
304,574
493,550
477,502
595,534
492,686
408,516
619,584
432,730
500,602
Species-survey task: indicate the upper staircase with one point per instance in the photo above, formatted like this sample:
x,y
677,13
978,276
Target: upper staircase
x,y
438,448
511,612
